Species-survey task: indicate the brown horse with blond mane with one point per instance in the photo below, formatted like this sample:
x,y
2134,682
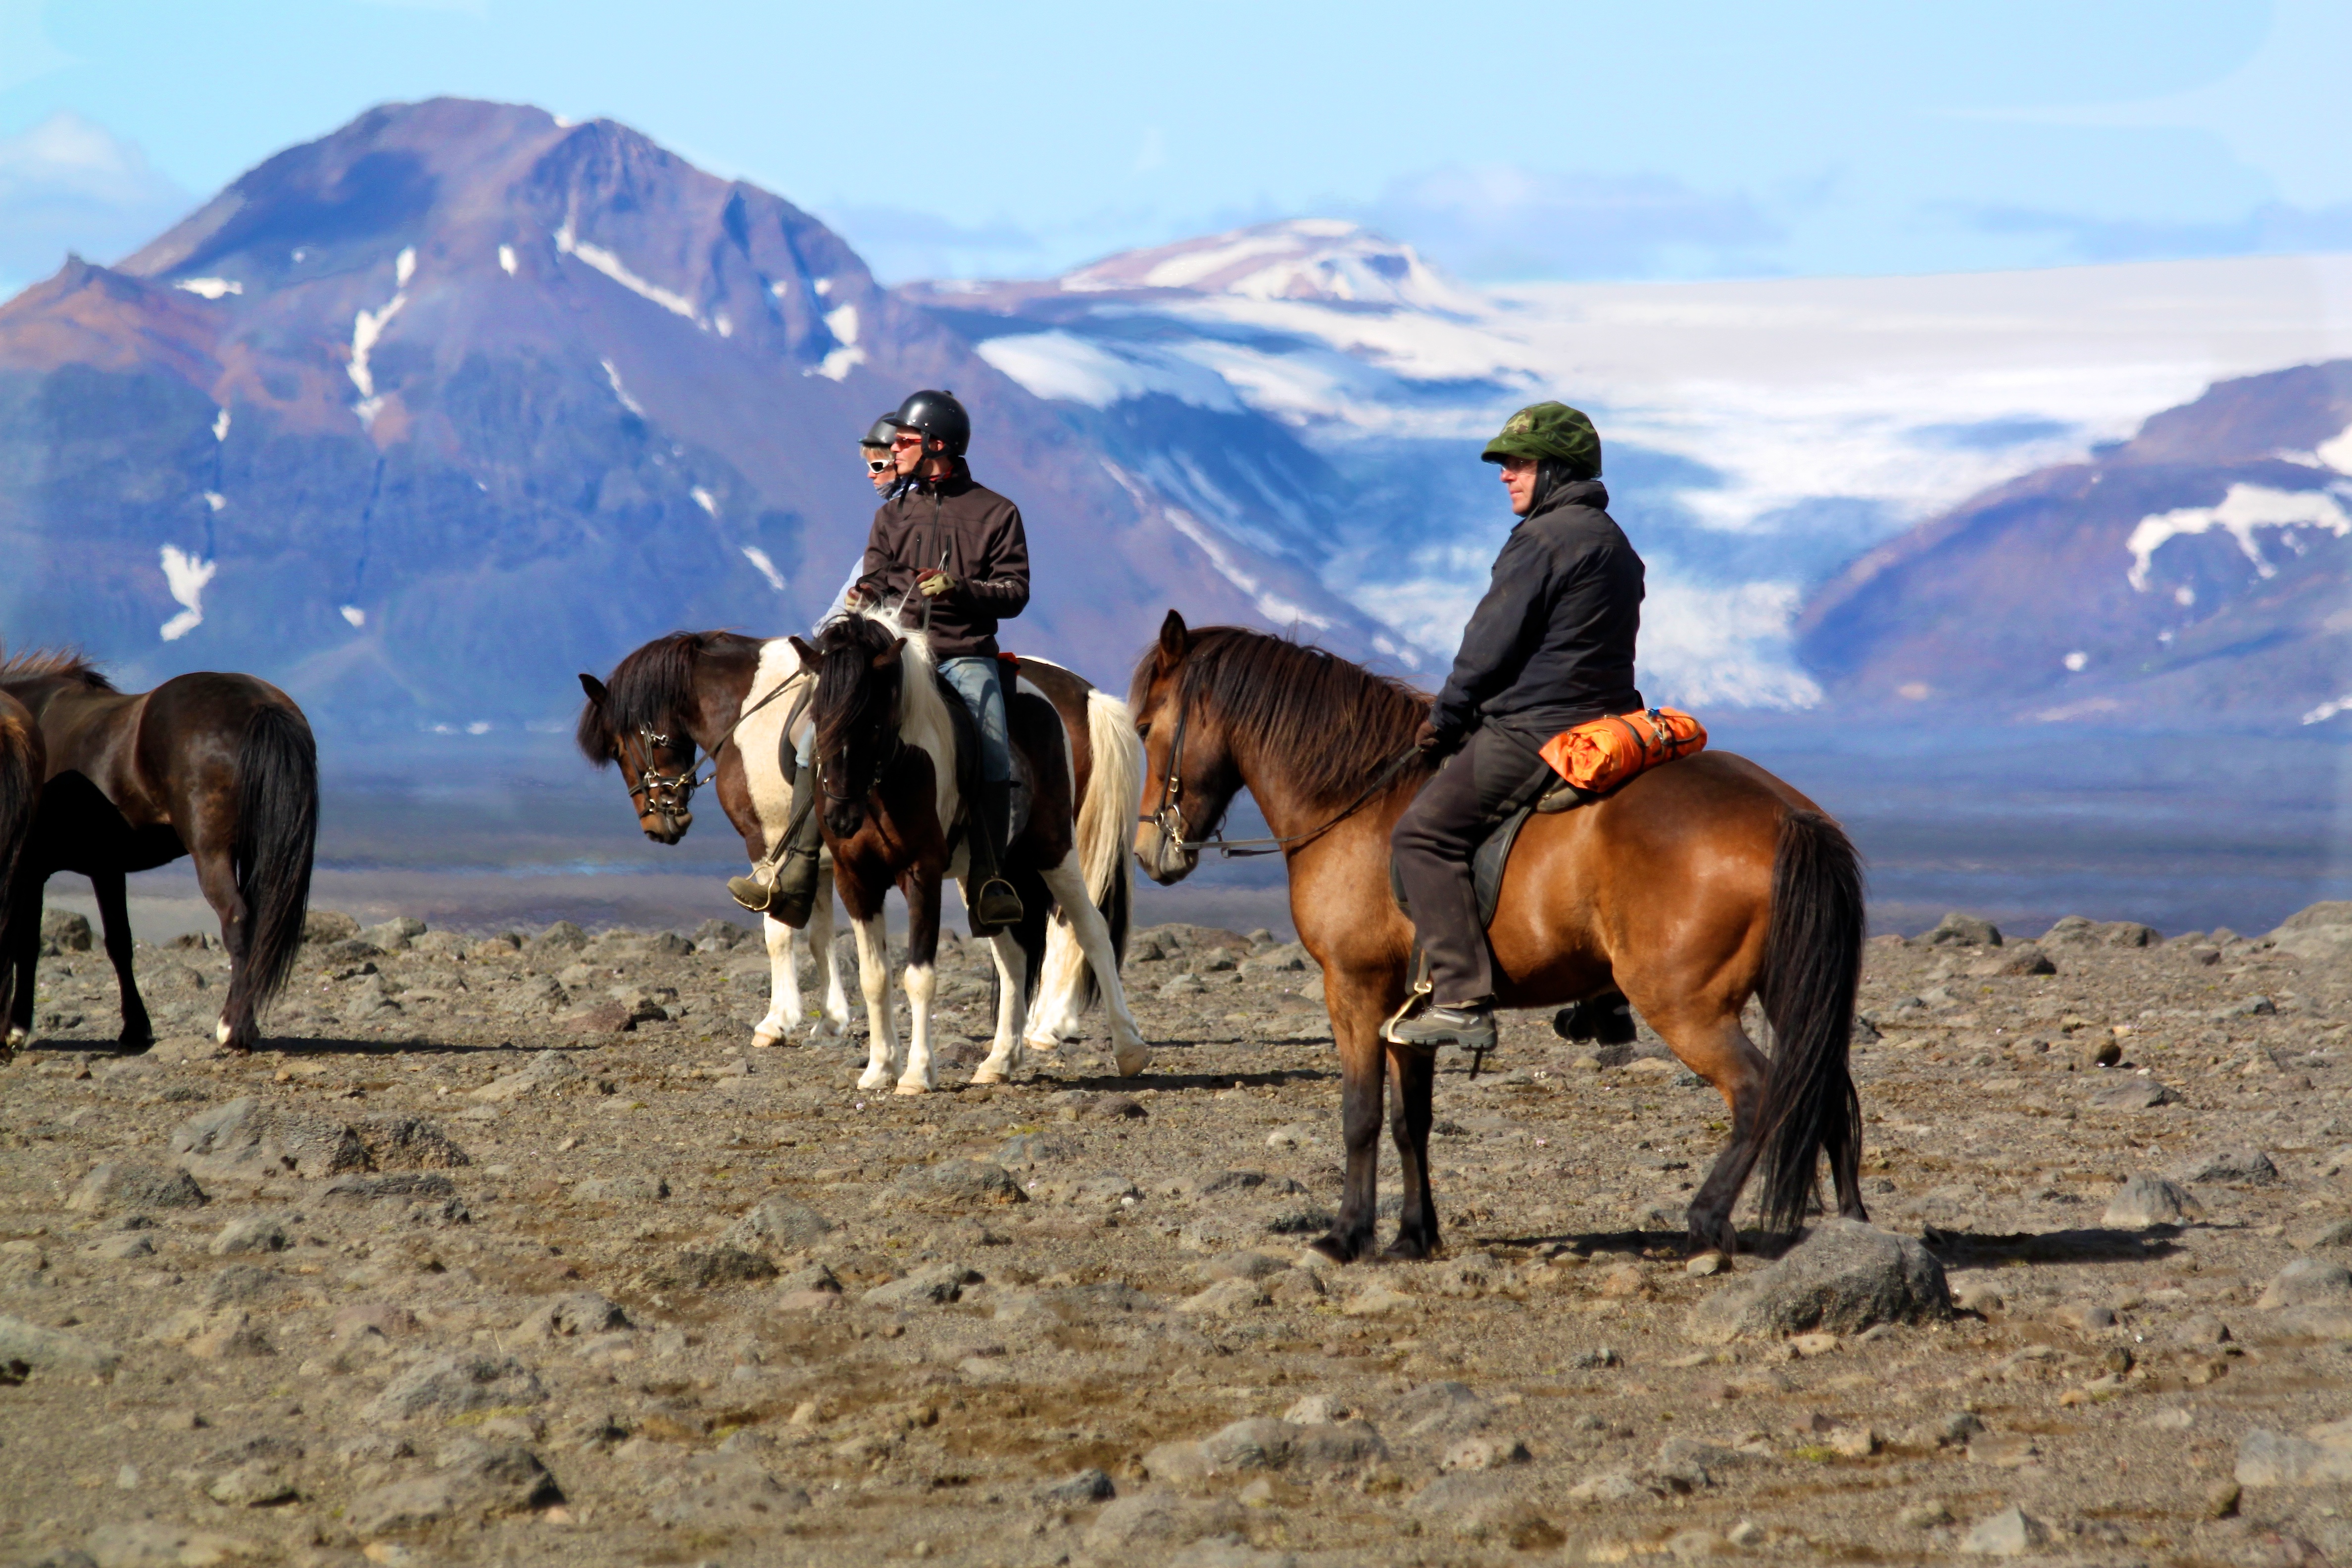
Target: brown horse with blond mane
x,y
1687,890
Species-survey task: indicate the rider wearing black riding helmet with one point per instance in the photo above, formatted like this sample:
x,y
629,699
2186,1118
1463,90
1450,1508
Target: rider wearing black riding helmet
x,y
952,554
1549,647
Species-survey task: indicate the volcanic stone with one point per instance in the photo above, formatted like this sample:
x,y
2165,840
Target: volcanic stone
x,y
1843,1276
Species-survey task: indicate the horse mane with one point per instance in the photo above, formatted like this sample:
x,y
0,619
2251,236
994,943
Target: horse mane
x,y
646,692
59,663
846,649
1325,724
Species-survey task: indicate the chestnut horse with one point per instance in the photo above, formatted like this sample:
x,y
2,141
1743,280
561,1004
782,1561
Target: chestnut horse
x,y
1692,888
889,740
733,698
23,762
218,767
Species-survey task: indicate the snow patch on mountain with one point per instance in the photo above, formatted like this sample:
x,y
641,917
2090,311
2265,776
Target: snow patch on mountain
x,y
184,578
612,267
2244,509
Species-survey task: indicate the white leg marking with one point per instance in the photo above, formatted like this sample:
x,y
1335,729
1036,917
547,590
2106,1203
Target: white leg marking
x,y
1060,982
1005,1053
1093,932
922,983
783,985
835,1022
873,979
220,1031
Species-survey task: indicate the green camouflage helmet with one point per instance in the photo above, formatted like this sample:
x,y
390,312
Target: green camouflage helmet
x,y
1550,430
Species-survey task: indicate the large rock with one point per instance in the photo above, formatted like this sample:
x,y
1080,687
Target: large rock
x,y
1956,930
2273,1459
2145,1202
130,1186
476,1481
53,1349
959,1183
246,1137
151,1544
2231,1167
2132,1094
2074,931
409,1143
1843,1276
1159,1520
779,1223
2308,1282
455,1385
2011,1533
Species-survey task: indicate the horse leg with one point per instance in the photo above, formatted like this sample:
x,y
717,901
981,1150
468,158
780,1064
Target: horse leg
x,y
874,980
1008,1052
217,878
1363,1071
1415,1077
920,885
114,917
783,985
1719,1052
835,1022
1068,886
24,956
1059,986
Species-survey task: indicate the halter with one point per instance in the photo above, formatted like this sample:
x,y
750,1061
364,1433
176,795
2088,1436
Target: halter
x,y
1169,815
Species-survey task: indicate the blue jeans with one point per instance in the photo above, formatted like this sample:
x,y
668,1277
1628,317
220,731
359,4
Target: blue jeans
x,y
975,680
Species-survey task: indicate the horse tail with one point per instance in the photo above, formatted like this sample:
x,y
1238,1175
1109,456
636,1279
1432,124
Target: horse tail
x,y
1106,823
276,834
22,763
1812,964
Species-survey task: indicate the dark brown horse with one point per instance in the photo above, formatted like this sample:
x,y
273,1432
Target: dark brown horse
x,y
888,758
218,767
23,761
1689,889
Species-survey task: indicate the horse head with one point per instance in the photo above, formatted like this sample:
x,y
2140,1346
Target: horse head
x,y
1188,777
858,673
640,721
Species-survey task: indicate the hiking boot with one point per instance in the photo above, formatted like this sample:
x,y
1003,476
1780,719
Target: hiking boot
x,y
752,893
994,906
1470,1025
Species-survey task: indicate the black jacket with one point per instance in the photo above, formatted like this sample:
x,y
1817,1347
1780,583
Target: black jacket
x,y
978,532
1552,645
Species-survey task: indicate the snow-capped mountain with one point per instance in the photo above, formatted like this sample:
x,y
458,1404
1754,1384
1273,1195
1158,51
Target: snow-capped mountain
x,y
1322,393
422,417
2201,570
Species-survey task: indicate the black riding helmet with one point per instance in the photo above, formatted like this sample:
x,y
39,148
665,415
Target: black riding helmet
x,y
939,417
878,434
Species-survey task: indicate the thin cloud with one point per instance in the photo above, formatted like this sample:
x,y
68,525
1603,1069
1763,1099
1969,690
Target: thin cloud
x,y
70,185
2273,228
1500,222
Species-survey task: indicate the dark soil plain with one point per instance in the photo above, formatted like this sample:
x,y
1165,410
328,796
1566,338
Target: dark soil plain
x,y
511,1250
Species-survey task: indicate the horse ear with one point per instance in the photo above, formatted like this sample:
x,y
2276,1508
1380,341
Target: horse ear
x,y
593,687
806,655
889,656
1175,638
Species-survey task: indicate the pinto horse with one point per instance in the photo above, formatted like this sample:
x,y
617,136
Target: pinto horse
x,y
1692,888
731,698
887,751
218,767
23,762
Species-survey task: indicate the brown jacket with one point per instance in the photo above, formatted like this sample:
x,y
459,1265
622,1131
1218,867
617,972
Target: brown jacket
x,y
972,534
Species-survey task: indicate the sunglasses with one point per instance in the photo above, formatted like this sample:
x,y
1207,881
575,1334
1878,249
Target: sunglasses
x,y
876,465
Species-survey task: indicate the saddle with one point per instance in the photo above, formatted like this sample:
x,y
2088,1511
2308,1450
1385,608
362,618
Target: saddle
x,y
1488,861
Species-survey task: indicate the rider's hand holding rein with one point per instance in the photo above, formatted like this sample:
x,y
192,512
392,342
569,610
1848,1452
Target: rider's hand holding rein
x,y
932,585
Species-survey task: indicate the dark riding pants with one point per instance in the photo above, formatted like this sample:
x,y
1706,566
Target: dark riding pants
x,y
1490,777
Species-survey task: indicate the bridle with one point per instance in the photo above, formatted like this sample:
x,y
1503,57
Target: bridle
x,y
1168,815
652,784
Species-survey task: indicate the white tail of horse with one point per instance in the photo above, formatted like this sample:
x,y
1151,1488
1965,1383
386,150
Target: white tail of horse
x,y
1066,986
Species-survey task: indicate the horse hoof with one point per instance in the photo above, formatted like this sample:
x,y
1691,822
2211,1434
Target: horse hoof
x,y
1402,1250
1133,1063
1045,1043
220,1033
986,1074
872,1081
1332,1248
910,1086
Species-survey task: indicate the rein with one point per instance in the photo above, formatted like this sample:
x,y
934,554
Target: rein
x,y
1169,816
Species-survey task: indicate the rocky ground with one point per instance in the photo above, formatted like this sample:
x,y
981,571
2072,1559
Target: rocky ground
x,y
511,1250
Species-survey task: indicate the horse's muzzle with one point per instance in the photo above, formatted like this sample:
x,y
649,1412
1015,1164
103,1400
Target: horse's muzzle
x,y
1164,859
664,828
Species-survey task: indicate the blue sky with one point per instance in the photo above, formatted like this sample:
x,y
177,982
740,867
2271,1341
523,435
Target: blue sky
x,y
1607,141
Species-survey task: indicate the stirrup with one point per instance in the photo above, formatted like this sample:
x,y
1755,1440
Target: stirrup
x,y
994,888
752,893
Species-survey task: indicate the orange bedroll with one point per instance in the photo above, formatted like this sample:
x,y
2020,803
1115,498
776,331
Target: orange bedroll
x,y
1598,755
